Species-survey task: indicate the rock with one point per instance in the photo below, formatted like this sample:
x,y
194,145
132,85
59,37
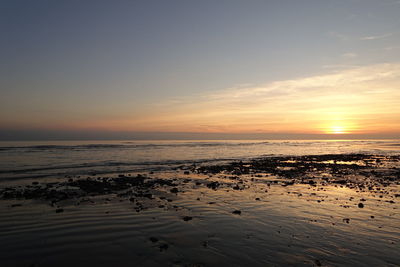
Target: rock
x,y
213,185
187,218
153,239
174,190
360,205
59,210
318,263
238,212
163,247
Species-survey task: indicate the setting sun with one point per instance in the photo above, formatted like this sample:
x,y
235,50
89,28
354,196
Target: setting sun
x,y
339,127
338,130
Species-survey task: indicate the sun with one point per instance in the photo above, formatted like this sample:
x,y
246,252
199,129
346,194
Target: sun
x,y
336,129
339,126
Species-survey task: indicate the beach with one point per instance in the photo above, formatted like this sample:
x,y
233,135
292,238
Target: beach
x,y
299,210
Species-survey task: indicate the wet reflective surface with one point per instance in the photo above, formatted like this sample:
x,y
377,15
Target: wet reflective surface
x,y
328,210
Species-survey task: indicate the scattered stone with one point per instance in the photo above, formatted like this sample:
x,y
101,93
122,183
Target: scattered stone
x,y
187,218
163,247
174,190
213,185
153,239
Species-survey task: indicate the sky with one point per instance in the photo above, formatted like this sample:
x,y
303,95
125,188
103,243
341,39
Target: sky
x,y
144,68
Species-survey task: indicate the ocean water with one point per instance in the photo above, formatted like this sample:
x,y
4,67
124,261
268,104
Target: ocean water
x,y
279,224
35,160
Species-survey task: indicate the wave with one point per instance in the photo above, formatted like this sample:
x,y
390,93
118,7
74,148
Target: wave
x,y
121,146
90,167
133,145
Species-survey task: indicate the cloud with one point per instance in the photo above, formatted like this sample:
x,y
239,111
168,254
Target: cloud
x,y
376,37
357,98
391,48
338,35
349,55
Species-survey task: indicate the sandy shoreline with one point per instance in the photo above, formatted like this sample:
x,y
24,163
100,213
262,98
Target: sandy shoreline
x,y
324,210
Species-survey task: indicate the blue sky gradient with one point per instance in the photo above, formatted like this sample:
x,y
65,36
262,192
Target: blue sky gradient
x,y
66,64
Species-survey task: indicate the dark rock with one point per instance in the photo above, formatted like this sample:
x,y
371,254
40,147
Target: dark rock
x,y
163,247
187,218
318,263
59,210
238,212
213,185
153,239
360,205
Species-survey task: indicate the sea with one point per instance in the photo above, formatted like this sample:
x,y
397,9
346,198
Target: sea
x,y
188,223
35,160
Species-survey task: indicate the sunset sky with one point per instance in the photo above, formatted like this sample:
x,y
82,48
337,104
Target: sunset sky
x,y
274,67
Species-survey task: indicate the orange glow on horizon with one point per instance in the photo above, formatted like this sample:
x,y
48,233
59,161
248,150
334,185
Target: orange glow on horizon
x,y
338,130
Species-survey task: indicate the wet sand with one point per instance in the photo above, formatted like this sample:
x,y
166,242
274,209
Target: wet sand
x,y
326,210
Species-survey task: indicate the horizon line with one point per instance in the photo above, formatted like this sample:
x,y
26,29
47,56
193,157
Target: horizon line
x,y
56,135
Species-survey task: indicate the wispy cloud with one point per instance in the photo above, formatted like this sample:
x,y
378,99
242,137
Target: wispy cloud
x,y
338,35
391,48
349,55
356,98
376,37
